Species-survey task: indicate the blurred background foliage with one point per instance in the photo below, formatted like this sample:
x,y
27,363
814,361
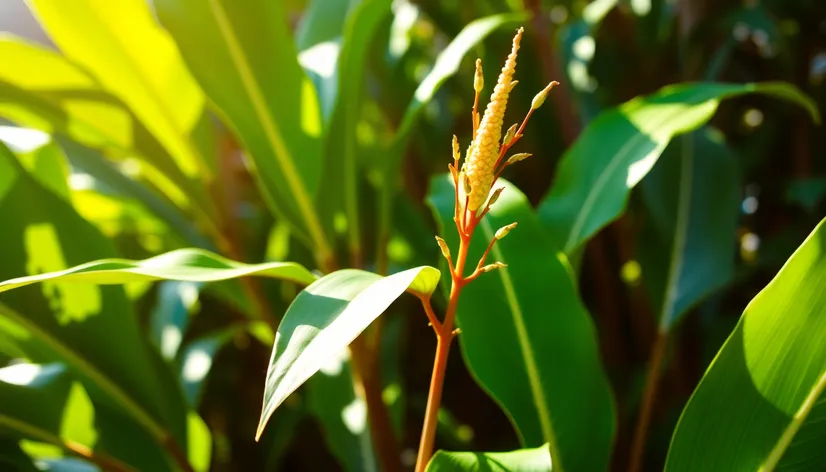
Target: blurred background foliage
x,y
759,189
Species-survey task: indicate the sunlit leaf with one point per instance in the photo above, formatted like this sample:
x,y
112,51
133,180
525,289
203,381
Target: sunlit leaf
x,y
194,265
618,148
760,405
324,318
128,53
523,460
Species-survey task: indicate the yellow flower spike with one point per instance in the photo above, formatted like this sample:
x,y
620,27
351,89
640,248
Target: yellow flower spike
x,y
482,159
478,78
456,153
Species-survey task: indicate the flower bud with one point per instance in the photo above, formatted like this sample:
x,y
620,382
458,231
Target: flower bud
x,y
494,266
518,157
540,97
510,134
443,247
495,195
478,78
503,231
456,154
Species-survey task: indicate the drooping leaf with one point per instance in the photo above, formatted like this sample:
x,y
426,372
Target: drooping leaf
x,y
760,405
134,59
194,265
692,200
523,460
618,148
242,54
325,317
545,370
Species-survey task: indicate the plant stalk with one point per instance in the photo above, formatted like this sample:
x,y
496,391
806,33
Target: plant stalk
x,y
648,397
444,337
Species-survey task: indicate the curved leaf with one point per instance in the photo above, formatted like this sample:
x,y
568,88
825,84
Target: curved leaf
x,y
325,317
760,405
134,59
620,146
523,460
242,54
545,371
193,265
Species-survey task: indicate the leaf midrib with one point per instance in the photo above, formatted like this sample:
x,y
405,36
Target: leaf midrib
x,y
789,432
526,349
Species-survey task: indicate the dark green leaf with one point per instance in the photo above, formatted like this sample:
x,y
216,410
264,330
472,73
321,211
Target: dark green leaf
x,y
545,370
692,199
760,405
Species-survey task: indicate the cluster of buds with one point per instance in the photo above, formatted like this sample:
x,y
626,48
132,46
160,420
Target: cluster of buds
x,y
484,162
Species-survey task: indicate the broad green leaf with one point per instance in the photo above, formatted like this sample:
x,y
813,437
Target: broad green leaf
x,y
447,64
342,414
687,247
128,53
523,460
193,265
90,328
619,147
760,405
545,370
343,100
242,54
325,317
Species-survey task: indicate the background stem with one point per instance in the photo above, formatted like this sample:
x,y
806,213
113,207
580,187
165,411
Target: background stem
x,y
648,398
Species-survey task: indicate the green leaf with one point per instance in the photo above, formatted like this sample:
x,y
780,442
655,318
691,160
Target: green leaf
x,y
90,328
545,371
687,249
325,317
342,414
41,89
193,265
134,59
322,22
523,460
620,146
760,405
40,156
199,440
243,55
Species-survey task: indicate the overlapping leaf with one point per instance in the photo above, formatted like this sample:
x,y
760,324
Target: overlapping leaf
x,y
618,148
